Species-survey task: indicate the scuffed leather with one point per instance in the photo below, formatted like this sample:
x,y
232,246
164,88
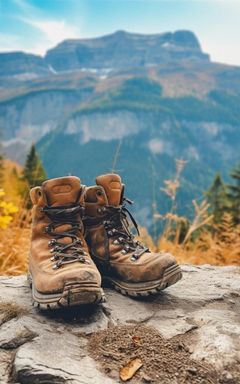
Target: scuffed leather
x,y
46,279
149,267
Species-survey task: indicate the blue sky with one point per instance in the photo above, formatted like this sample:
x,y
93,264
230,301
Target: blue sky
x,y
37,25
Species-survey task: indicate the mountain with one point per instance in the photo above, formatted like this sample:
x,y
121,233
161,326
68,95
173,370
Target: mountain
x,y
20,63
118,50
130,102
123,50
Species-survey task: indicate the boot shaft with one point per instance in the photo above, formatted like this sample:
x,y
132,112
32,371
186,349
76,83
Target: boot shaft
x,y
107,220
57,216
107,192
59,192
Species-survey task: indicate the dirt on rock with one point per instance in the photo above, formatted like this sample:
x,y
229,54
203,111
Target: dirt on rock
x,y
164,361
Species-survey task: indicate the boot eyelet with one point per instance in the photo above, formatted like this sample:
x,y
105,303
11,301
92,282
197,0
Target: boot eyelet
x,y
57,265
81,259
54,257
116,242
110,233
134,257
51,242
124,252
47,229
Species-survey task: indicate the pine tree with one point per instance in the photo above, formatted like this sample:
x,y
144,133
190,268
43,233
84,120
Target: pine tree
x,y
33,172
217,198
234,194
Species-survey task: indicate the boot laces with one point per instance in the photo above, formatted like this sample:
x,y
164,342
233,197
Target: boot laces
x,y
117,225
71,252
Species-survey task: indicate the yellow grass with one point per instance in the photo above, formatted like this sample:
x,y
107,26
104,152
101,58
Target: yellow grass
x,y
15,239
219,248
204,242
14,245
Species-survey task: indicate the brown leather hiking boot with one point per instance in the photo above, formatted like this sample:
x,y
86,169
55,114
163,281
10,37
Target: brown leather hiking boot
x,y
61,271
130,267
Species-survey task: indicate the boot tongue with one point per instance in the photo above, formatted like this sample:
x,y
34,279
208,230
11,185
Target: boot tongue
x,y
62,191
112,185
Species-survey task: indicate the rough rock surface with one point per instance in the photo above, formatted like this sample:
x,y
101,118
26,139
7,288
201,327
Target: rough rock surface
x,y
52,347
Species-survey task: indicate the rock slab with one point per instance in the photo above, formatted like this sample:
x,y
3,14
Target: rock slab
x,y
51,347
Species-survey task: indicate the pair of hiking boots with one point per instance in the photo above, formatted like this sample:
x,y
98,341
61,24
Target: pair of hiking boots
x,y
81,235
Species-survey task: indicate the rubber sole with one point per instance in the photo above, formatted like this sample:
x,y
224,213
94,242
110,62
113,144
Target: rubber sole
x,y
73,294
171,276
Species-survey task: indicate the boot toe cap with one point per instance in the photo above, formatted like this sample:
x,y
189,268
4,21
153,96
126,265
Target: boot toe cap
x,y
157,265
50,282
150,267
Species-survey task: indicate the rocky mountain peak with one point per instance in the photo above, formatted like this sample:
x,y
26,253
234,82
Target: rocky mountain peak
x,y
124,49
119,50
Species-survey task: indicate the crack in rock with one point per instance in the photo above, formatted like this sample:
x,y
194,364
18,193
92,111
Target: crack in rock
x,y
21,338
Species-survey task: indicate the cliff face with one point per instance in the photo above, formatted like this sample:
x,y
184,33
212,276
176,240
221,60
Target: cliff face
x,y
189,333
27,119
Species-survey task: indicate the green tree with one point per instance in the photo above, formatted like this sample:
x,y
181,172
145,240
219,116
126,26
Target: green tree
x,y
217,198
33,172
233,194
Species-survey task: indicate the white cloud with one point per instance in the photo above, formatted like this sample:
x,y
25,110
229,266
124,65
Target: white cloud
x,y
54,31
49,32
10,43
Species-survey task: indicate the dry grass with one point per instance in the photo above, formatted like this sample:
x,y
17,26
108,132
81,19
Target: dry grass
x,y
208,248
14,248
9,310
15,239
15,242
217,245
203,241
